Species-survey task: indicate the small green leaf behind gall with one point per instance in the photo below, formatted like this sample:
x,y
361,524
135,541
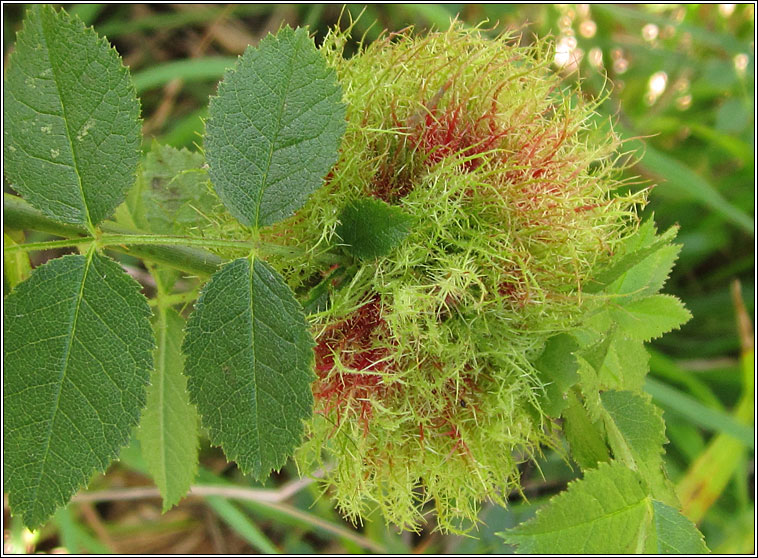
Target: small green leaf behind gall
x,y
78,353
172,195
71,131
17,265
557,368
249,361
274,128
371,228
643,264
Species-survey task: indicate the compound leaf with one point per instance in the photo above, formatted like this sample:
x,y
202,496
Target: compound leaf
x,y
78,354
168,430
249,364
71,120
274,128
371,228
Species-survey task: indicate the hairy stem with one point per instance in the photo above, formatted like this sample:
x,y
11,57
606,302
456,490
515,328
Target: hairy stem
x,y
179,252
20,215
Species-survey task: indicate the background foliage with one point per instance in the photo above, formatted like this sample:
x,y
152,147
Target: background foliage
x,y
682,77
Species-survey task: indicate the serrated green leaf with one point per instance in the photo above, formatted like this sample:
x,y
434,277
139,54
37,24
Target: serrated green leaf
x,y
648,275
71,120
636,433
638,421
371,228
595,326
674,533
249,365
557,368
586,439
647,237
274,128
650,317
168,430
607,512
78,353
643,263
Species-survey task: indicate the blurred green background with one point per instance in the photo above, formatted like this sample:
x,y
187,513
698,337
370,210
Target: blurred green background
x,y
680,76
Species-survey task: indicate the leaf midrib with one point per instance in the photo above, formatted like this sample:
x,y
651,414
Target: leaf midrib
x,y
64,371
163,325
251,278
264,181
641,503
54,72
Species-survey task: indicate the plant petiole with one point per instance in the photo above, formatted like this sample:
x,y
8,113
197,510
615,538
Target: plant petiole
x,y
132,239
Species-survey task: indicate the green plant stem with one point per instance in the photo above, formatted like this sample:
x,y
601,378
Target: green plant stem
x,y
172,299
107,240
176,251
48,245
153,240
20,215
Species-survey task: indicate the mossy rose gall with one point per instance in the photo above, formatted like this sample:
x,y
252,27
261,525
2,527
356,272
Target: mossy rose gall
x,y
426,390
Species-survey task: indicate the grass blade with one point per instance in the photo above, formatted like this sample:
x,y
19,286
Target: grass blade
x,y
697,413
208,68
241,524
684,183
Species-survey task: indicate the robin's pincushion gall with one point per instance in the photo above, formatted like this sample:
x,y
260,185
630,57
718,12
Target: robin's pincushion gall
x,y
426,391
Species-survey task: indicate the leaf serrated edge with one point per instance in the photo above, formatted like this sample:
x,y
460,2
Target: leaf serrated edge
x,y
403,223
617,270
100,42
676,327
657,412
567,495
281,33
229,453
59,499
124,72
